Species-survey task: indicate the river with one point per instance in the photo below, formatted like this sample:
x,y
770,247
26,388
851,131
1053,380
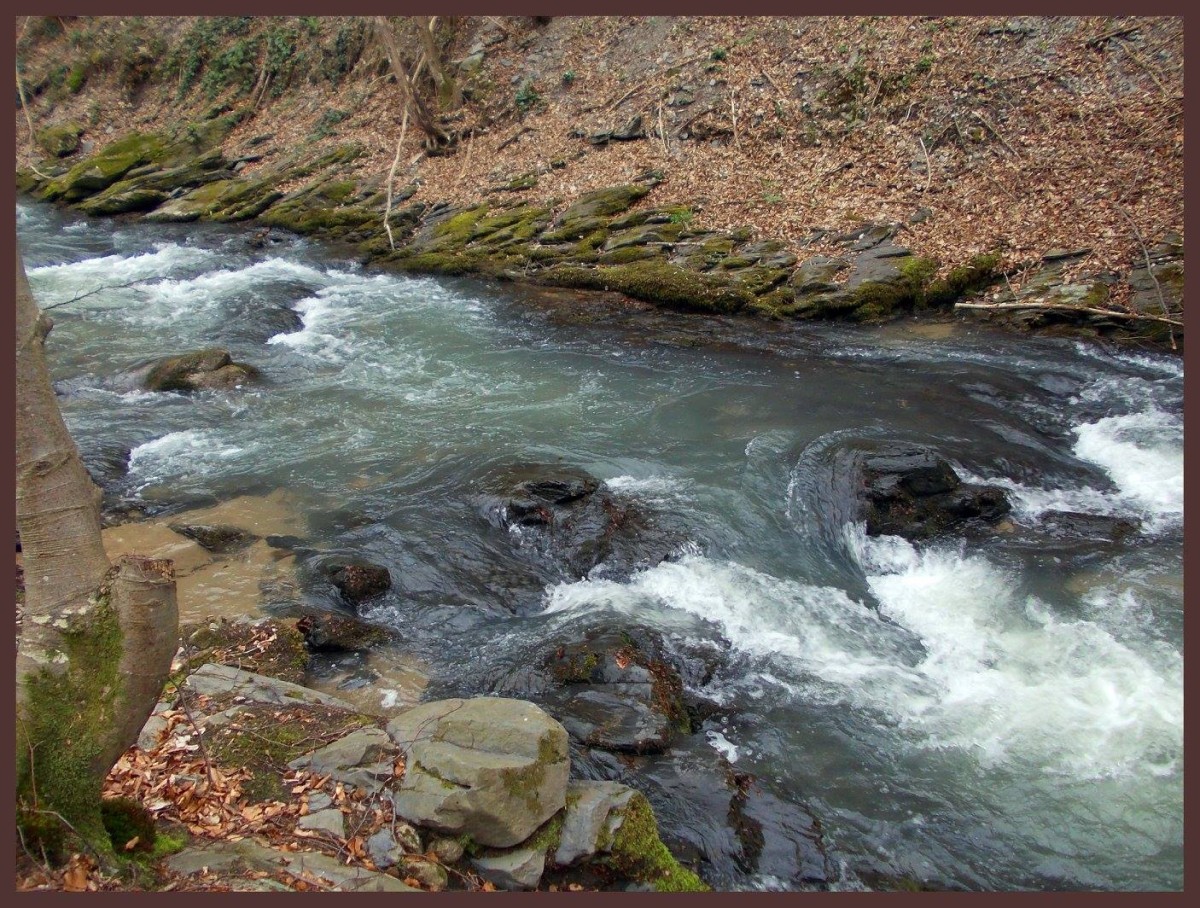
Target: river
x,y
987,714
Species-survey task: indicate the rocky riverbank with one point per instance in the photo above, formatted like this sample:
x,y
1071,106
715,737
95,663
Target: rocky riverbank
x,y
614,196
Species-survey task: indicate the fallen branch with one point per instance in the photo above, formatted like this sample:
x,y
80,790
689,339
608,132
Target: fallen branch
x,y
391,176
733,114
1150,72
928,166
75,299
1067,307
625,97
1109,36
516,135
662,132
466,159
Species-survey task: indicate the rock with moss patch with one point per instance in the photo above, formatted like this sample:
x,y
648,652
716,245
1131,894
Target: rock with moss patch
x,y
61,140
364,758
593,814
212,369
494,769
219,539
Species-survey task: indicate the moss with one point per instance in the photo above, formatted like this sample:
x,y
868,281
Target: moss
x,y
976,274
604,202
526,784
454,231
627,254
127,820
1098,295
638,853
61,140
577,229
66,717
576,669
547,836
655,281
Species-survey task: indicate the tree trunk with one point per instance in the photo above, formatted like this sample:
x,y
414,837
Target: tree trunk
x,y
418,112
449,97
96,641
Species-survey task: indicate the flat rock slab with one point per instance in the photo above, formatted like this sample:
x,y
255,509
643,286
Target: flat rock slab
x,y
364,758
521,868
212,680
592,808
490,767
329,820
250,855
602,718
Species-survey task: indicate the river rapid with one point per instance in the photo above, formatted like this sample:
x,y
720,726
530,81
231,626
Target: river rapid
x,y
993,713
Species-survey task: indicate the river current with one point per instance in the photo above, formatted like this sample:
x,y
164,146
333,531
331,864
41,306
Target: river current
x,y
984,714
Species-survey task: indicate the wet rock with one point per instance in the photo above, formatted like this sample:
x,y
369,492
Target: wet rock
x,y
606,719
492,768
218,539
201,369
913,493
729,823
567,517
329,633
360,581
212,680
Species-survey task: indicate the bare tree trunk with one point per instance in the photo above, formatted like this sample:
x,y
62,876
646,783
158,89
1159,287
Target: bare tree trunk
x,y
419,113
96,641
449,97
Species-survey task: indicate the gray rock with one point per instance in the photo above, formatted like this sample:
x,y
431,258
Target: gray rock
x,y
493,768
329,820
318,800
389,846
250,855
518,869
590,807
363,758
213,680
607,719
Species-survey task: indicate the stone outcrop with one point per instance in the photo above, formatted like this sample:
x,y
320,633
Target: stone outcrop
x,y
491,768
212,369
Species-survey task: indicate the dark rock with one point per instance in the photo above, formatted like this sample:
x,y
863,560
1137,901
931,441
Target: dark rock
x,y
329,633
219,539
630,130
574,522
360,581
1073,526
913,493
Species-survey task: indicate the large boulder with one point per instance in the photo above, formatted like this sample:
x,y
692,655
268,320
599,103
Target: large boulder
x,y
490,768
909,491
199,370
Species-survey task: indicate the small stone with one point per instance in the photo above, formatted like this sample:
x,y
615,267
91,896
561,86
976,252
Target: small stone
x,y
330,821
448,851
518,869
318,800
425,872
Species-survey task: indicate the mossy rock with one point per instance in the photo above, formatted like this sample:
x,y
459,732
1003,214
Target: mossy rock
x,y
124,202
627,254
577,229
656,281
977,274
90,176
129,825
60,141
604,202
637,853
269,647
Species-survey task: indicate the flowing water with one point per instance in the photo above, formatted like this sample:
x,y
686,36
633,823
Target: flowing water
x,y
994,714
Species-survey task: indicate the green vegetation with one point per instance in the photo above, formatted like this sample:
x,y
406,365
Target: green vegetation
x,y
328,120
130,826
568,77
527,97
638,853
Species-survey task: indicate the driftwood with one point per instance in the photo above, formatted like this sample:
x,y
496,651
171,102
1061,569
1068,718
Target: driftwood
x,y
1044,306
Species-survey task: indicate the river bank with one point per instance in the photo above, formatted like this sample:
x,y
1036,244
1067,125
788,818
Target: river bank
x,y
576,205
